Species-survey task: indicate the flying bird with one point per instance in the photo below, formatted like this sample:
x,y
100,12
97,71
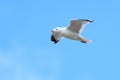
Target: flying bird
x,y
72,31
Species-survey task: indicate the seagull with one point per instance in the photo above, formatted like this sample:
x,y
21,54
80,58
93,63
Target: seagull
x,y
73,31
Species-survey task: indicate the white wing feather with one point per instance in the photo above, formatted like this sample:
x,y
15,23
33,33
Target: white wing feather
x,y
78,25
57,36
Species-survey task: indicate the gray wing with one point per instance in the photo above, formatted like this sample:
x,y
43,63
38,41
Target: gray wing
x,y
55,37
77,25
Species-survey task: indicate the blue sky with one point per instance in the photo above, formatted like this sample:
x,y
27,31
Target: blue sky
x,y
26,52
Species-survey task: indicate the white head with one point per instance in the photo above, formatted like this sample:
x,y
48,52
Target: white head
x,y
57,30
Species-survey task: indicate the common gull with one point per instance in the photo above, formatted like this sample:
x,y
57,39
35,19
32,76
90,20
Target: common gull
x,y
73,31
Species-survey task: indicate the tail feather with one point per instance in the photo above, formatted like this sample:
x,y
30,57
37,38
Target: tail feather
x,y
83,40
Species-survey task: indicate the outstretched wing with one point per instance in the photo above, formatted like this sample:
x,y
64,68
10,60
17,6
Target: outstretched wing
x,y
55,37
77,25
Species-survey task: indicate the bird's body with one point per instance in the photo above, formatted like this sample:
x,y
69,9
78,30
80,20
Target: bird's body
x,y
72,31
69,34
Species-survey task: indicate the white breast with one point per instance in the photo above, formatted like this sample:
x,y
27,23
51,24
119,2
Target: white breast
x,y
69,34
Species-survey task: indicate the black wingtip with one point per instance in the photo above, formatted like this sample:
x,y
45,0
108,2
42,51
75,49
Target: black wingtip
x,y
89,20
53,39
86,20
